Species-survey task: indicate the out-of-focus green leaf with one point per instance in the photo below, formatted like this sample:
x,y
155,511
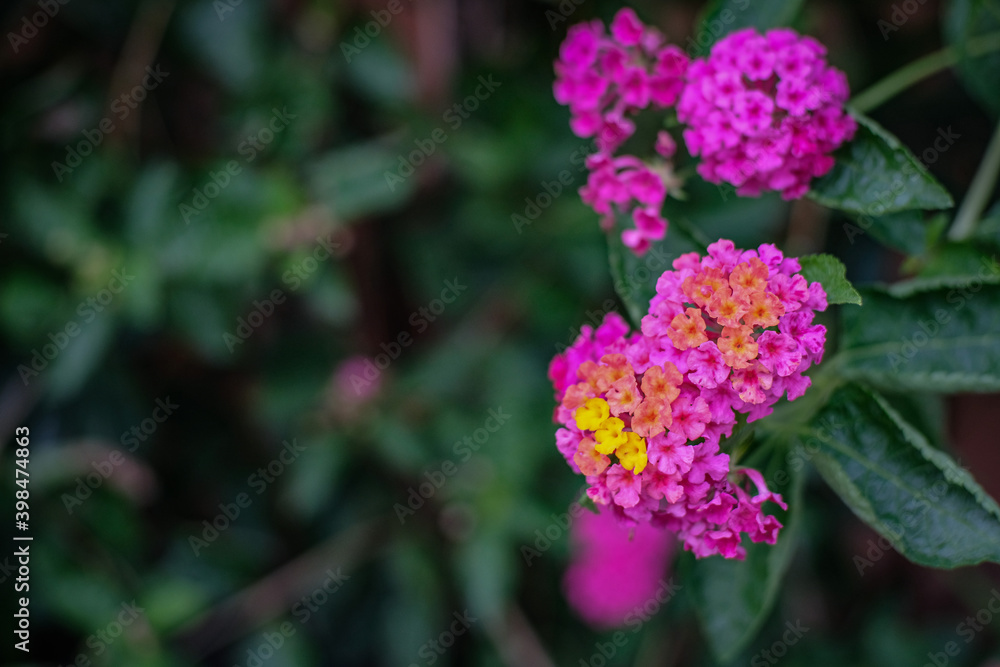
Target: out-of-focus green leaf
x,y
875,174
907,231
988,228
956,265
931,510
972,28
366,178
152,205
83,353
947,339
225,37
169,601
488,573
313,485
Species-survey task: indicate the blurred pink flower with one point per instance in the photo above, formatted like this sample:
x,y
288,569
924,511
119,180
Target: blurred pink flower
x,y
356,381
635,559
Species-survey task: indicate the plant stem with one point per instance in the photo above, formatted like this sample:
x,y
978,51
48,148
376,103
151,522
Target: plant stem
x,y
979,192
920,69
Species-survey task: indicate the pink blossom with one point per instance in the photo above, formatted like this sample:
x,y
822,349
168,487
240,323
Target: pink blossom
x,y
765,112
605,80
603,550
778,353
709,369
623,485
670,454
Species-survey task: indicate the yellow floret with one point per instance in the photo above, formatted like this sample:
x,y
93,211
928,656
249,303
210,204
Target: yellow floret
x,y
632,454
592,414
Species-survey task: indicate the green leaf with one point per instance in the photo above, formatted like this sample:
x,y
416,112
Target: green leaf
x,y
947,338
988,228
634,299
361,179
875,174
931,510
958,264
82,356
972,28
733,597
725,16
830,273
907,231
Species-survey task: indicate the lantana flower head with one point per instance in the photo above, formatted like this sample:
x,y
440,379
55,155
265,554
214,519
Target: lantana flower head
x,y
765,112
605,79
643,414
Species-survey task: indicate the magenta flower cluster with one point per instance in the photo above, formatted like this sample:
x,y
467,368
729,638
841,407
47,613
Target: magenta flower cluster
x,y
636,559
726,334
605,79
764,112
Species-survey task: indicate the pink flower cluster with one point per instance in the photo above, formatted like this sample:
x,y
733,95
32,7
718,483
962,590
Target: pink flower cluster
x,y
726,334
605,79
765,112
635,559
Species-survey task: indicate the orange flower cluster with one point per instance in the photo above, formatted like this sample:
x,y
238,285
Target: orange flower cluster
x,y
735,306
